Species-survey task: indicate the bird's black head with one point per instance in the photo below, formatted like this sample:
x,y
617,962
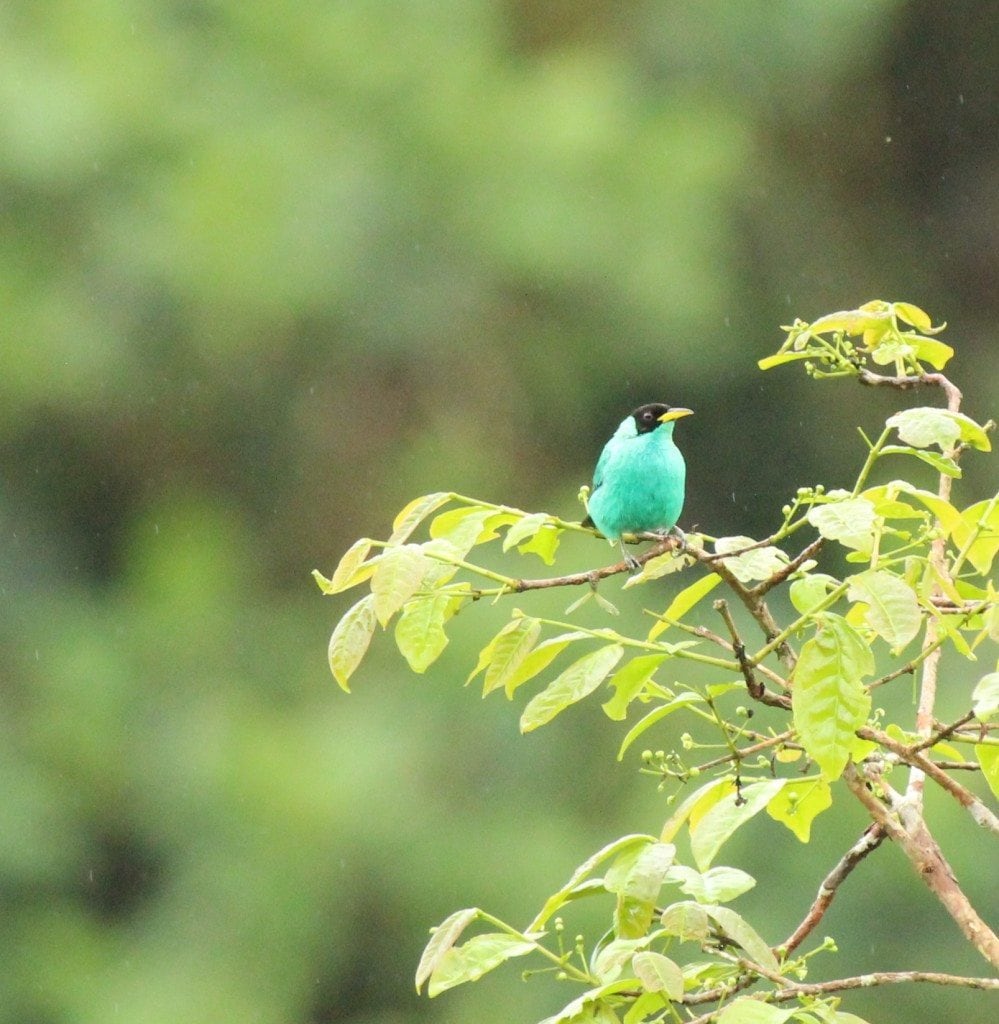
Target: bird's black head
x,y
648,417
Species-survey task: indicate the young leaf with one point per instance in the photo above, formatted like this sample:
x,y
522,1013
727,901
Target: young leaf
x,y
799,803
414,514
444,936
851,522
830,702
744,935
927,425
463,527
628,682
980,521
582,677
696,805
685,920
912,314
526,527
486,654
717,885
810,591
544,544
474,958
941,463
985,698
892,608
930,350
658,973
419,633
510,648
745,1010
639,890
346,574
350,640
657,714
399,574
655,568
758,564
539,659
684,601
557,899
709,833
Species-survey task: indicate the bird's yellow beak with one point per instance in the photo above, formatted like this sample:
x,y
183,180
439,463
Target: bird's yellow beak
x,y
675,414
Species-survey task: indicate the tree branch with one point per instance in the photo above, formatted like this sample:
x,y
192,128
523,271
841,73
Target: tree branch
x,y
867,843
915,757
904,823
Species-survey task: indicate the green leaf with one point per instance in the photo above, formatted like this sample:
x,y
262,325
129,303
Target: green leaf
x,y
581,678
930,350
851,522
464,527
510,648
744,935
540,658
544,544
980,521
988,758
557,899
799,803
945,513
658,973
350,640
745,1010
628,682
851,321
350,570
697,805
684,601
985,698
419,633
399,574
470,961
829,701
638,891
486,654
414,514
810,591
656,715
685,920
892,607
941,463
655,568
758,564
717,885
709,833
779,358
912,314
927,425
526,527
444,936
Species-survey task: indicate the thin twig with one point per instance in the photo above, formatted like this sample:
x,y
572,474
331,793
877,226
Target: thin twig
x,y
867,843
756,689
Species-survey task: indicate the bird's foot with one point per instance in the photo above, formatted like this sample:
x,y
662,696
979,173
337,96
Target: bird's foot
x,y
630,561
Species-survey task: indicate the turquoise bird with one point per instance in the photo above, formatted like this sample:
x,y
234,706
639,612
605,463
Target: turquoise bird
x,y
639,481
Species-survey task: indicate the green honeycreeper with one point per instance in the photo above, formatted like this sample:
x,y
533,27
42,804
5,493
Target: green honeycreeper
x,y
638,484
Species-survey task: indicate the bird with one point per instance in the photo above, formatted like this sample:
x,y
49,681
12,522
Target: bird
x,y
640,477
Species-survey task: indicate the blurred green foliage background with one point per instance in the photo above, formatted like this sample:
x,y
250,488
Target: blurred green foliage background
x,y
269,270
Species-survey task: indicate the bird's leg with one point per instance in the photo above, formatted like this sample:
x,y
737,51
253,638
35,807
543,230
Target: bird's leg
x,y
629,559
679,535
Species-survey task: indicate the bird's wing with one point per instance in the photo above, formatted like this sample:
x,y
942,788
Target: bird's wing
x,y
601,467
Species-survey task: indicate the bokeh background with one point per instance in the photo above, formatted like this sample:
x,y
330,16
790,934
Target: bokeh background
x,y
269,270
